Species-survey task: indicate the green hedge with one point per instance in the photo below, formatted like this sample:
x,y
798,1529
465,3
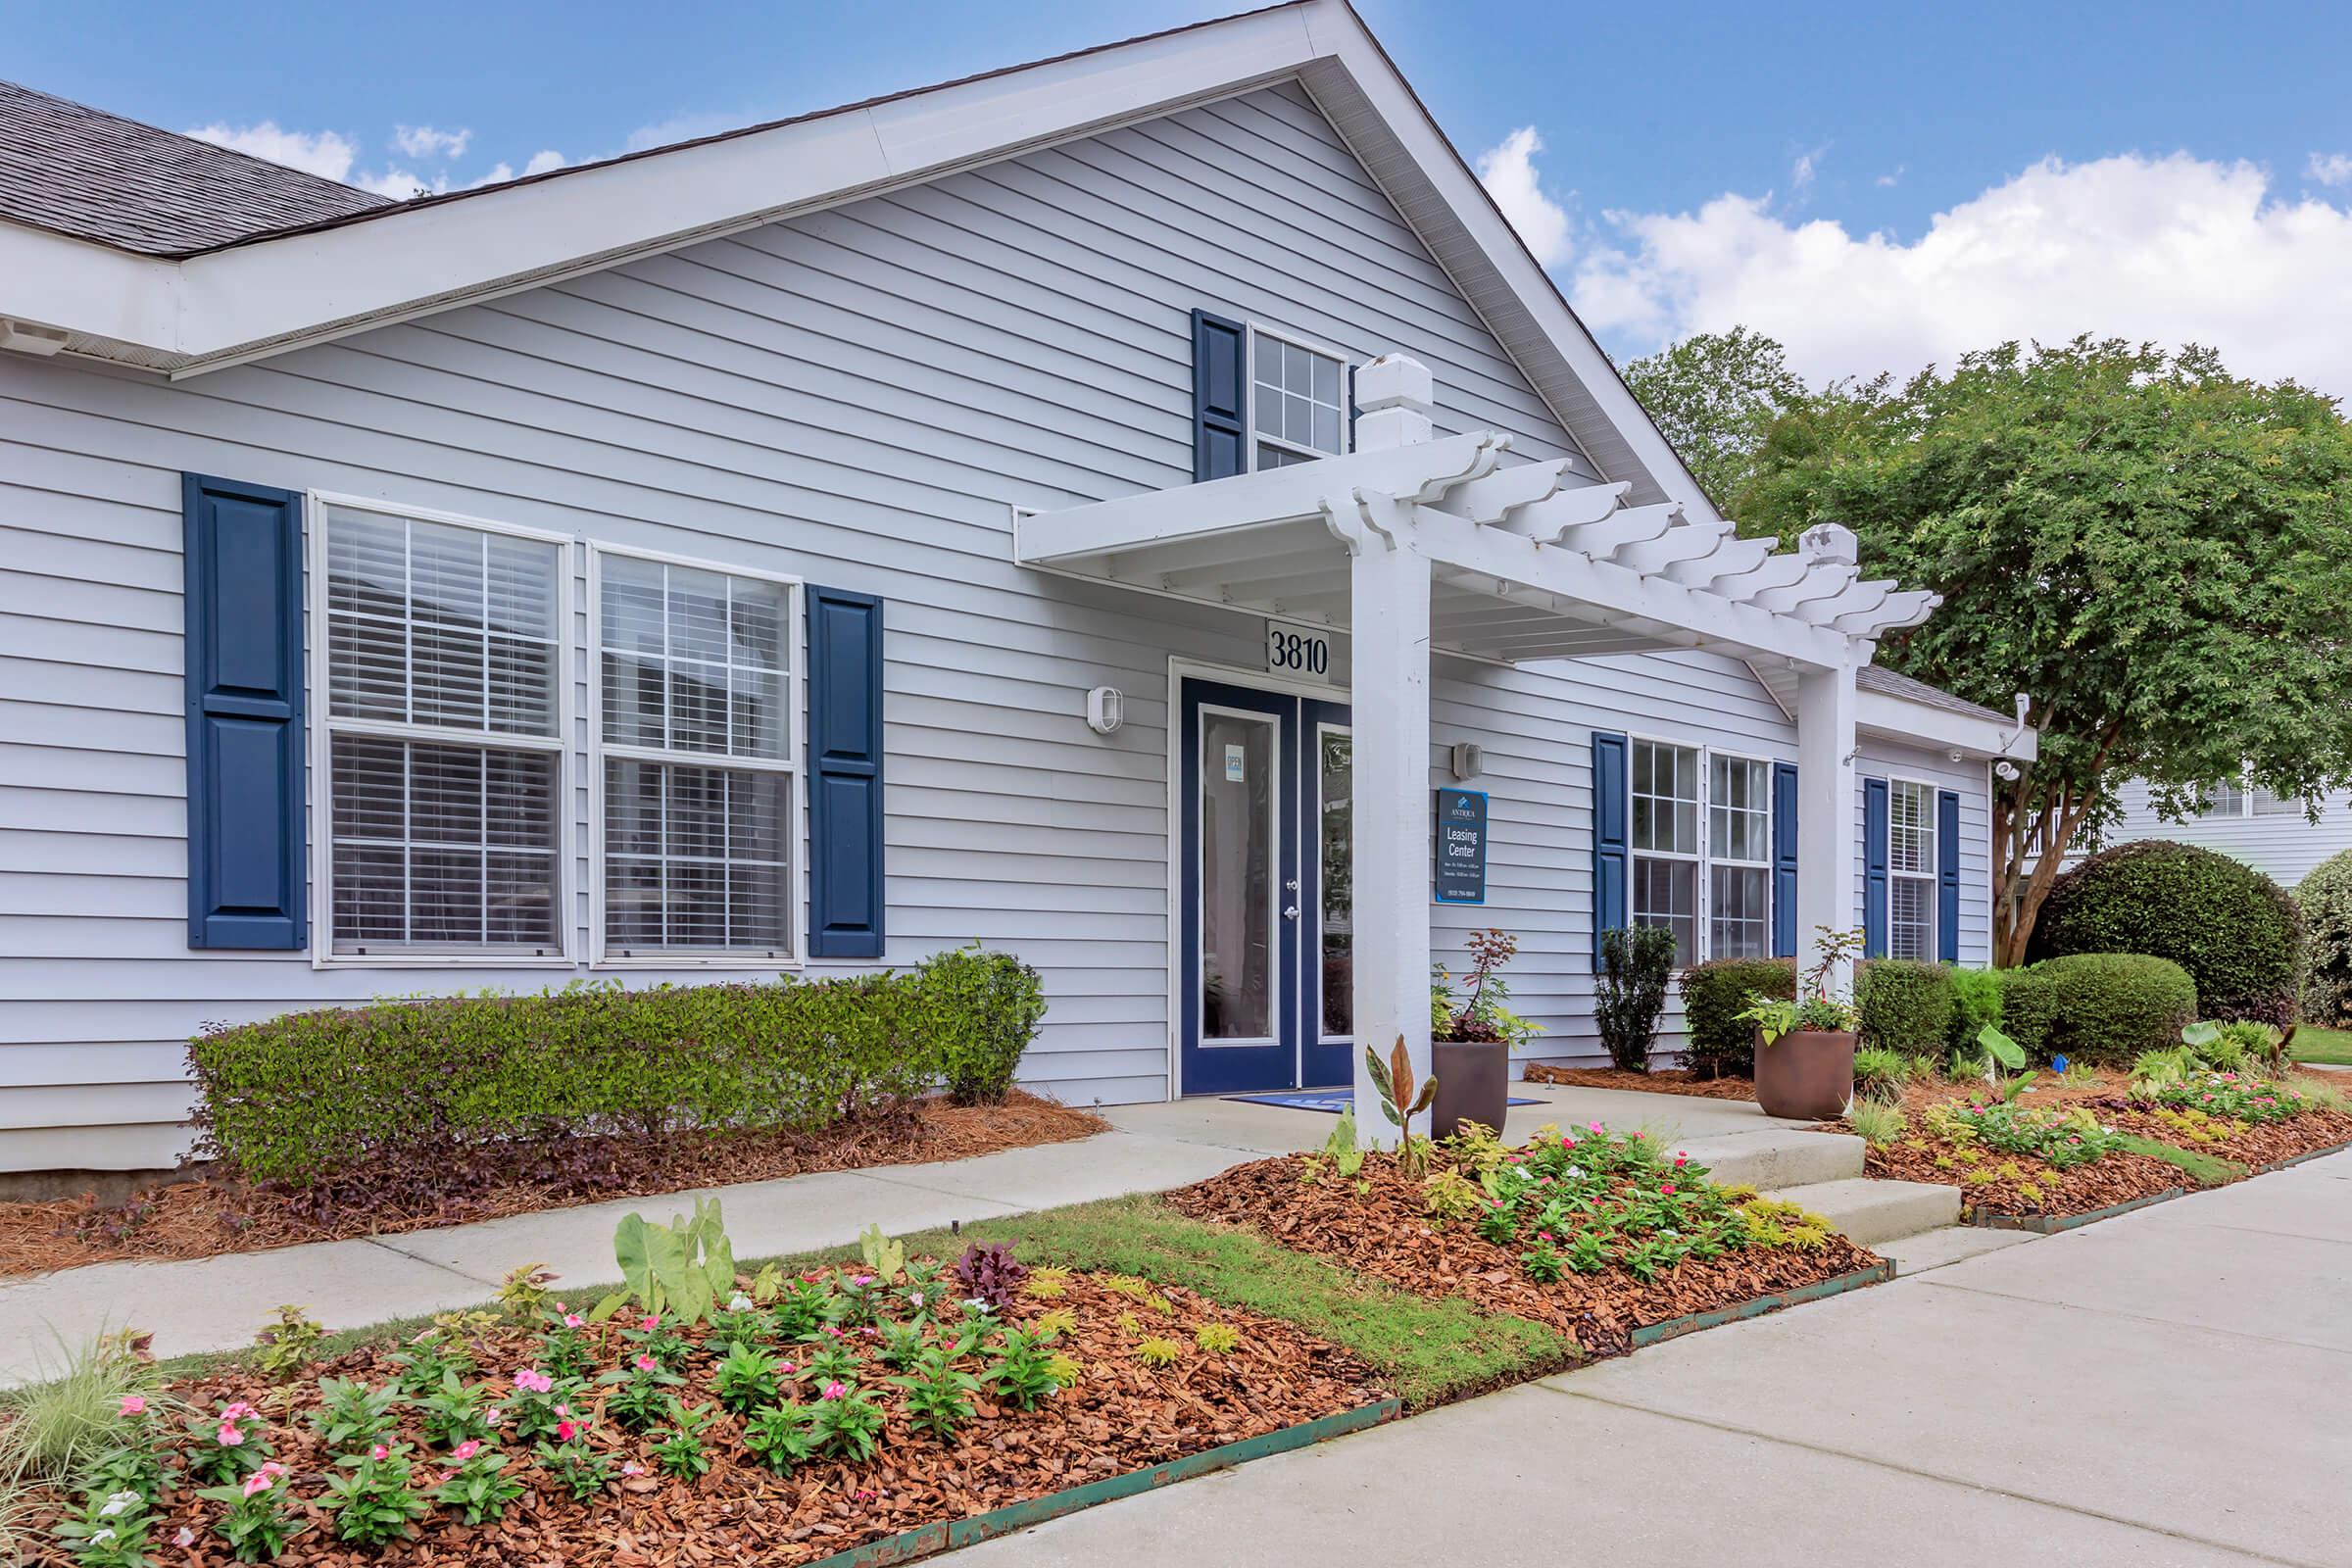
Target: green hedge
x,y
300,1097
1714,995
2324,897
1904,1005
2236,931
1975,1002
2103,1009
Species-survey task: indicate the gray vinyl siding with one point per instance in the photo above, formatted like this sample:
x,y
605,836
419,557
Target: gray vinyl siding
x,y
858,398
2285,848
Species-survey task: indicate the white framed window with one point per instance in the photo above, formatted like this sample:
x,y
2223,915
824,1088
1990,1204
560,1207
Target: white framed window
x,y
1297,400
1739,879
2225,800
1663,825
1911,870
439,764
696,778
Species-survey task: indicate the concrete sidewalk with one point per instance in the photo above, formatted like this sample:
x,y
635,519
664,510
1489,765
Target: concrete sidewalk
x,y
217,1303
2167,1388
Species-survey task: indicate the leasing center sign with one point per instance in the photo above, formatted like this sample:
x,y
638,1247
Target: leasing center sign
x,y
1461,875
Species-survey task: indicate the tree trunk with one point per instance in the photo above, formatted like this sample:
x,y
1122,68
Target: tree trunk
x,y
2023,836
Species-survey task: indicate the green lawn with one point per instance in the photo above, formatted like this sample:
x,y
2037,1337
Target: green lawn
x,y
2331,1046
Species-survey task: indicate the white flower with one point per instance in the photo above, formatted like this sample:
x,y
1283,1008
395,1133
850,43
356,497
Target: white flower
x,y
102,1537
977,1304
185,1538
117,1501
739,1302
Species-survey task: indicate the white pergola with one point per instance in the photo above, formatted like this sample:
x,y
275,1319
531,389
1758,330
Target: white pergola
x,y
1412,545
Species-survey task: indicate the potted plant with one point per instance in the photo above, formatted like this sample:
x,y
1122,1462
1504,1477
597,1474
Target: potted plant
x,y
1471,1042
1806,1047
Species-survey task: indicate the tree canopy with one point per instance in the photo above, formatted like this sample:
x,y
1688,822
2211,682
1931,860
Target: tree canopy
x,y
1715,395
2158,552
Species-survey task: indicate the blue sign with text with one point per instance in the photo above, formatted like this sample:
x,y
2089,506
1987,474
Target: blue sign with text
x,y
1461,876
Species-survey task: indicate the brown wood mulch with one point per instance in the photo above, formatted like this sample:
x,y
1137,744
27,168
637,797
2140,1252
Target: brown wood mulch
x,y
2254,1144
1669,1082
1119,1416
217,1213
1385,1233
2076,1190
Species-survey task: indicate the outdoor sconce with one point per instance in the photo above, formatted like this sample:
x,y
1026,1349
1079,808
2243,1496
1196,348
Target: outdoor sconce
x,y
1105,708
1469,761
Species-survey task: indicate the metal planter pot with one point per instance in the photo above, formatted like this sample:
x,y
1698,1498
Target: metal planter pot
x,y
1806,1075
1474,1084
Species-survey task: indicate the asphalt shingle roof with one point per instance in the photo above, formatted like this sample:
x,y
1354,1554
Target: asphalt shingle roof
x,y
1873,678
81,172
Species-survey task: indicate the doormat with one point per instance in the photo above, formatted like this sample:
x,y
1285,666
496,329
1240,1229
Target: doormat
x,y
1331,1101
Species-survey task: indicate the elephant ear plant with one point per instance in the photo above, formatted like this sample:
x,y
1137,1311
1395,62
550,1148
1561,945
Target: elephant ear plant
x,y
680,1270
1400,1104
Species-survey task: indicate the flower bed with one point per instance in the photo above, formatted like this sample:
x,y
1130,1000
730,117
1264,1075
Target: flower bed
x,y
1593,1233
1672,1081
2246,1120
846,1405
219,1213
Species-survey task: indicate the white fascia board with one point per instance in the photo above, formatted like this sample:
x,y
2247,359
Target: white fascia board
x,y
237,302
1901,719
93,290
1338,32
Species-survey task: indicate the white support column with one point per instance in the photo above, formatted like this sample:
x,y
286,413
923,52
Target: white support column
x,y
1389,583
1826,830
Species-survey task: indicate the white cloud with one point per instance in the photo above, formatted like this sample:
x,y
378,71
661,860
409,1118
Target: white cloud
x,y
324,154
2174,250
1509,172
499,173
2329,168
423,141
1800,173
401,184
686,126
542,161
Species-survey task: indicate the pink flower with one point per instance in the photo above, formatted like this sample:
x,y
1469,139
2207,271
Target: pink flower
x,y
573,1320
565,1431
237,1411
862,1279
1681,1159
1597,1127
186,1539
562,1413
1666,1187
650,1322
833,1331
834,1391
645,1364
467,1449
786,1367
863,1495
379,1453
531,1380
493,1417
132,1404
632,1468
229,1436
257,1483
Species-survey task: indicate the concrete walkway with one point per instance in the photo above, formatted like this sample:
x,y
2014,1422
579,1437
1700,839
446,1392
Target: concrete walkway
x,y
2173,1387
217,1303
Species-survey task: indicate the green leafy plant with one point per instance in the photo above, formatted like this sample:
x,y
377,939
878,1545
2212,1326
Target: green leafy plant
x,y
1217,1339
1159,1351
938,1393
137,1466
1449,1194
478,1484
1543,1263
229,1446
1022,1373
845,1422
352,1414
678,1449
2239,935
80,1406
1718,1040
522,1292
886,1258
1875,1124
451,1413
1880,1073
1481,1014
1635,964
430,1357
256,1518
287,1344
579,1469
1904,1007
836,1362
779,1437
804,1308
1815,1006
1340,1146
679,1270
745,1377
979,1011
2103,1009
109,1531
372,1503
1398,1101
640,1399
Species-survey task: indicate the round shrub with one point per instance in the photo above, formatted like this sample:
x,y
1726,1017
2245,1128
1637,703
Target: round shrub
x,y
2103,1009
1904,1005
1718,1043
2325,900
2236,931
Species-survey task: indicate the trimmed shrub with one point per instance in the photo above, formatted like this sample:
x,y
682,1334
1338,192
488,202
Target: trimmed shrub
x,y
1904,1005
2324,897
1975,1002
983,1010
1636,963
1714,995
2236,931
298,1098
2102,1008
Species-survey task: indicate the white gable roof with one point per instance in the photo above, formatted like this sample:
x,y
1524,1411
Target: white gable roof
x,y
185,314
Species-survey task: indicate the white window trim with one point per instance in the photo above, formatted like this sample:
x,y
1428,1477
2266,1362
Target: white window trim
x,y
1933,877
1702,941
797,706
319,798
1252,331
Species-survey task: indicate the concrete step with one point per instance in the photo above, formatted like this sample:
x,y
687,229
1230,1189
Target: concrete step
x,y
1873,1211
1953,1244
1774,1157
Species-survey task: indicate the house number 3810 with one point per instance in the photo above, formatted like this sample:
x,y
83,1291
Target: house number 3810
x,y
1298,650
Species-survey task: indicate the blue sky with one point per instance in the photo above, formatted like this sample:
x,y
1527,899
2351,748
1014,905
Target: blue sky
x,y
1878,185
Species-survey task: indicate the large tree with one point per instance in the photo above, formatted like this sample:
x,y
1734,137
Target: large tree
x,y
1715,395
2159,554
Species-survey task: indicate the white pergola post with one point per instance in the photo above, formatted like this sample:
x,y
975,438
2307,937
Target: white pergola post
x,y
1388,582
1825,828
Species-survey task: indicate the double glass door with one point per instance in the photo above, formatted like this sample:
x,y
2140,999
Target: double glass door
x,y
1265,851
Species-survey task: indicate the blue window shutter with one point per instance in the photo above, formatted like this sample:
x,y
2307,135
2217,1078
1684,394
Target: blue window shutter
x,y
1783,860
844,778
243,604
1612,856
1948,876
1220,395
1874,868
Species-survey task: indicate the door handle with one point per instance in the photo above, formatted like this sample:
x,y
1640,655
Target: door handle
x,y
1291,914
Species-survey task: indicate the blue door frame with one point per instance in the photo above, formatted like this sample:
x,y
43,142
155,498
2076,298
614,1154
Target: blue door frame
x,y
1293,1053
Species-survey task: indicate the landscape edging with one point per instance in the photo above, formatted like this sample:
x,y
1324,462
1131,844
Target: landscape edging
x,y
1756,1306
2052,1224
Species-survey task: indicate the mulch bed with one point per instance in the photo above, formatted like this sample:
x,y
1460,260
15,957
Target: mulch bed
x,y
1385,1233
1119,1416
217,1213
2255,1143
2077,1190
1672,1082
